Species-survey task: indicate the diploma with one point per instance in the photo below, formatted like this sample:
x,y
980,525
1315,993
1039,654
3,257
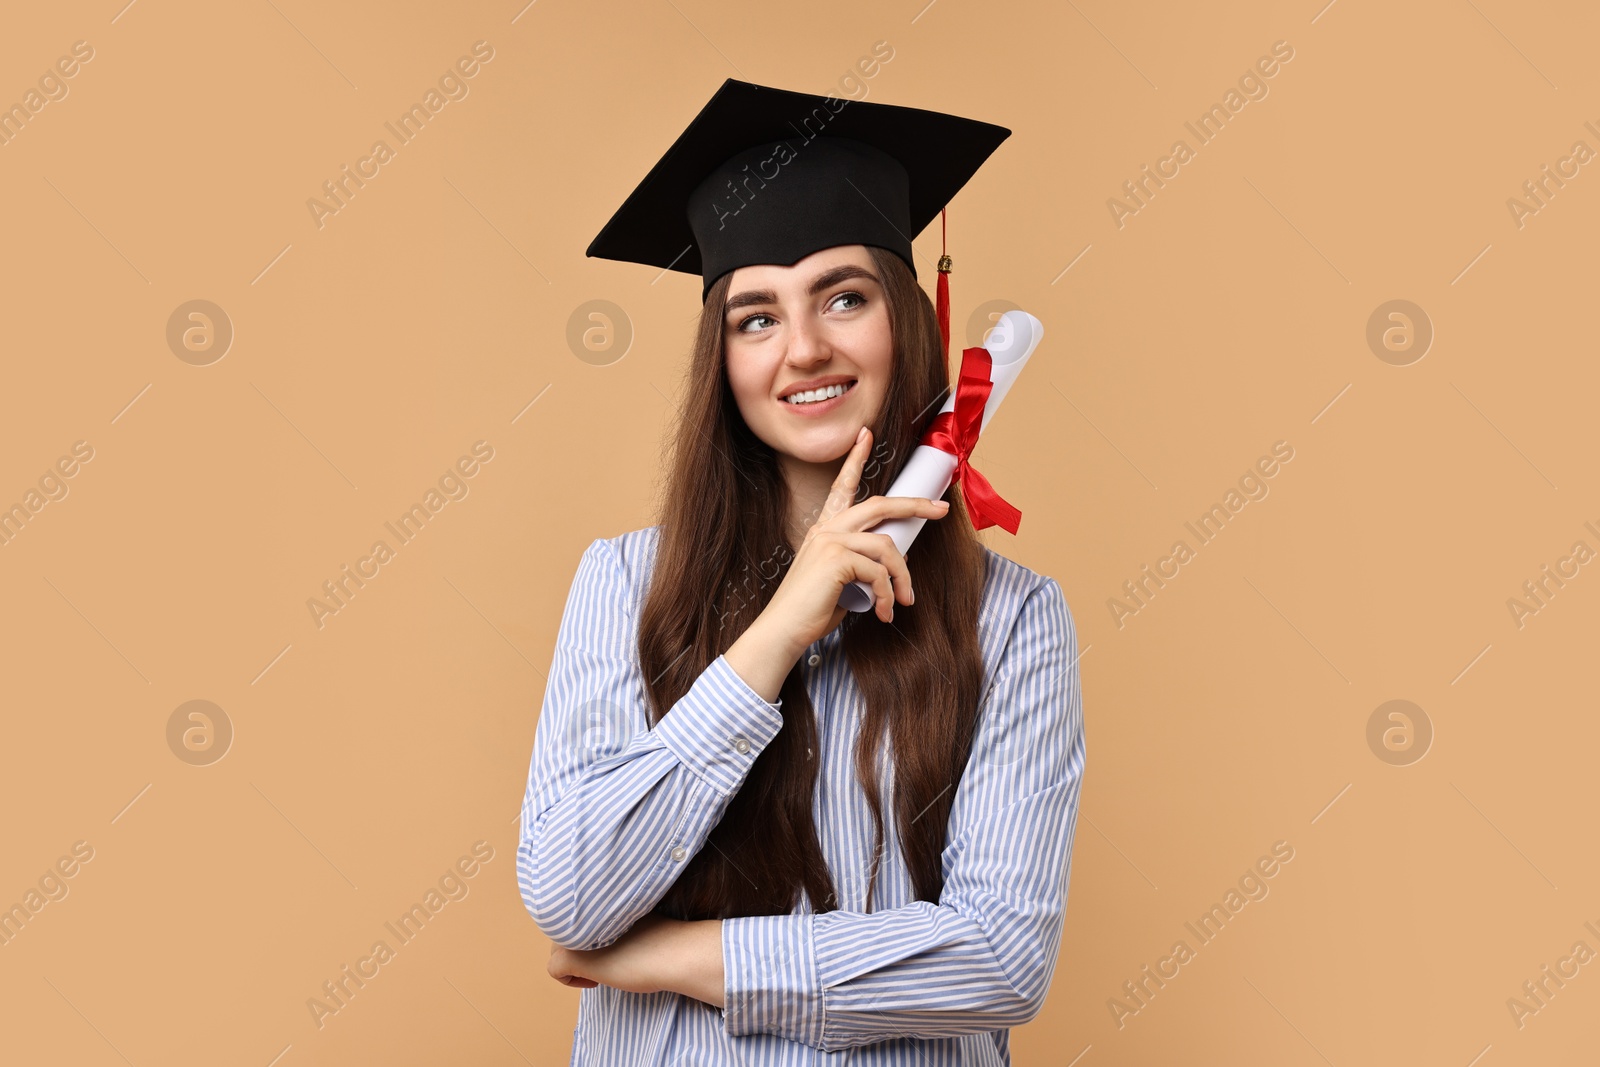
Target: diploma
x,y
942,454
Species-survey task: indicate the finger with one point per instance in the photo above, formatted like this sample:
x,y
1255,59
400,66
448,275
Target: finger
x,y
899,573
891,579
561,970
874,510
878,576
843,491
562,966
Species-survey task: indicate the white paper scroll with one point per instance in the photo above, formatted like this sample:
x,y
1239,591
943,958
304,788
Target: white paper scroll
x,y
929,470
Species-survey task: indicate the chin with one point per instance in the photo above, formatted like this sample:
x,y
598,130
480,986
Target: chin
x,y
811,450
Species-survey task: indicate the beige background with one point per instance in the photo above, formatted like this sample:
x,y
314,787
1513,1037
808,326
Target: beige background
x,y
430,313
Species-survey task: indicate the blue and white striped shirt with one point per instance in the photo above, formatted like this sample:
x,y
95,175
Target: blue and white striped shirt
x,y
614,810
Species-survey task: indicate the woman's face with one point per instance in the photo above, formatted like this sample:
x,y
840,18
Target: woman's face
x,y
823,318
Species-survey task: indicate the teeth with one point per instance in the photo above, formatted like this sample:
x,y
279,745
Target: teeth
x,y
811,396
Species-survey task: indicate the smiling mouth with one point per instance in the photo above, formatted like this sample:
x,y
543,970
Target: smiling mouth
x,y
818,395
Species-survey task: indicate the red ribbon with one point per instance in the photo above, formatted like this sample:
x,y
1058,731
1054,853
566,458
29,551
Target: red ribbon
x,y
956,432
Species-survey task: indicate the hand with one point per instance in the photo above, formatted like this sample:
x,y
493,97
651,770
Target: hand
x,y
628,963
836,552
657,955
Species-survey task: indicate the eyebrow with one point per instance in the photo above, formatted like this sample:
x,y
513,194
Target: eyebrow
x,y
819,283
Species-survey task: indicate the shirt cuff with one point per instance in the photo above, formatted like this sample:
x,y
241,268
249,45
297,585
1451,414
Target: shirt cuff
x,y
770,978
720,726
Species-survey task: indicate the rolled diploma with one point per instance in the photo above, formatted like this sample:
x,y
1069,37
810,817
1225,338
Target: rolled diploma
x,y
929,470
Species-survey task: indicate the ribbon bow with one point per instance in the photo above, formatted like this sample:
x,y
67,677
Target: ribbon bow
x,y
956,432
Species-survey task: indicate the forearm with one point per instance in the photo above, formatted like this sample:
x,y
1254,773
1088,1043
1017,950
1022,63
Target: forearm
x,y
616,805
839,979
605,839
691,961
602,857
763,658
657,955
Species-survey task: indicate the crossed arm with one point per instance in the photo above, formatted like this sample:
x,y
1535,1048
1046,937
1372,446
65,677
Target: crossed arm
x,y
603,820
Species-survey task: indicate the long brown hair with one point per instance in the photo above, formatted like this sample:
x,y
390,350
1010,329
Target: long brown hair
x,y
722,552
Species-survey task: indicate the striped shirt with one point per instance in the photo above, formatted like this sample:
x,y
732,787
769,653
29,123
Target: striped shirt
x,y
614,810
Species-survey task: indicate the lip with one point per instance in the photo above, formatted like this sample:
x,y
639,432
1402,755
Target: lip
x,y
815,383
812,411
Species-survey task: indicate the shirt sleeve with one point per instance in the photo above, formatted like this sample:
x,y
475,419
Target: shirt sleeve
x,y
983,957
613,808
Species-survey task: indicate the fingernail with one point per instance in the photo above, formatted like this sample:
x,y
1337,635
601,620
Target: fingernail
x,y
860,434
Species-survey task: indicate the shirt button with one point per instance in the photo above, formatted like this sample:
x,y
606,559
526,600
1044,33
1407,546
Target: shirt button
x,y
815,659
740,745
678,853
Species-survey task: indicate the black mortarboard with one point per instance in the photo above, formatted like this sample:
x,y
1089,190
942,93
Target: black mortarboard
x,y
765,175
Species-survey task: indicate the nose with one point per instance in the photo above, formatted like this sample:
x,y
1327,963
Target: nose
x,y
808,344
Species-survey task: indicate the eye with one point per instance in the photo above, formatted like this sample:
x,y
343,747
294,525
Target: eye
x,y
745,322
857,297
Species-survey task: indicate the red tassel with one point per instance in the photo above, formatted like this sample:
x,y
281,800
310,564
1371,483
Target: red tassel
x,y
942,301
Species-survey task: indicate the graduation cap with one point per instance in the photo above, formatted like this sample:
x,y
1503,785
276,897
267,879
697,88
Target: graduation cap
x,y
766,175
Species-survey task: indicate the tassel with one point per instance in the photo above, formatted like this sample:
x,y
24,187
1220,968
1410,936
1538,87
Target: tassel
x,y
942,303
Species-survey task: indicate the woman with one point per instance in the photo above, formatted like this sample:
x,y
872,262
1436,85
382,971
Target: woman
x,y
755,821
